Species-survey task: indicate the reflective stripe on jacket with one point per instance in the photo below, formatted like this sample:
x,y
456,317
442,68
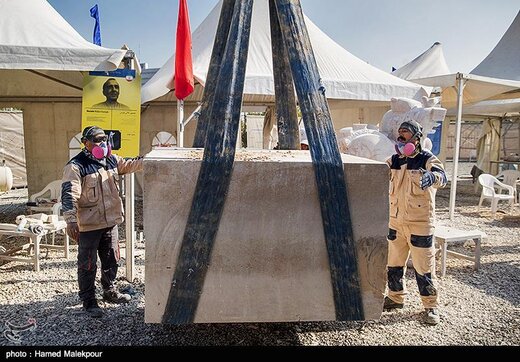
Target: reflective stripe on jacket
x,y
90,191
409,204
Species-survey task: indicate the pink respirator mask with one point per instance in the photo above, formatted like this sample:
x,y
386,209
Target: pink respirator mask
x,y
103,150
407,149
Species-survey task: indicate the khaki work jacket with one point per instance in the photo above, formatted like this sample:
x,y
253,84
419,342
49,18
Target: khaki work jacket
x,y
90,190
410,205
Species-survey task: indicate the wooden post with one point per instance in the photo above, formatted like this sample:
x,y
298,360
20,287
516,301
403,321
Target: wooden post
x,y
215,172
217,54
327,162
286,114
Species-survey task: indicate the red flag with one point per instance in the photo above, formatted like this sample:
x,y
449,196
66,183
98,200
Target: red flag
x,y
183,81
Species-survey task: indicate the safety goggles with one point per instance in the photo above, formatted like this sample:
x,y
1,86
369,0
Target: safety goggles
x,y
99,139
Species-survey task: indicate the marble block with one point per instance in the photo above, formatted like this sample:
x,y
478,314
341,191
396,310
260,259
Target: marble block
x,y
269,262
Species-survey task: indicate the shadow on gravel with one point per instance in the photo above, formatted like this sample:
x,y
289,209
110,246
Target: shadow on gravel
x,y
497,279
229,334
387,319
55,260
42,322
16,281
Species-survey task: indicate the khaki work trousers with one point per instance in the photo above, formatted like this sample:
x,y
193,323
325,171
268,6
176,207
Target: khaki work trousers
x,y
400,244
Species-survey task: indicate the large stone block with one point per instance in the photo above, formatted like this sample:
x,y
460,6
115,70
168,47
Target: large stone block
x,y
269,261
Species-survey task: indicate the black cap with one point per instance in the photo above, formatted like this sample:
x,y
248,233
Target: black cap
x,y
92,131
414,127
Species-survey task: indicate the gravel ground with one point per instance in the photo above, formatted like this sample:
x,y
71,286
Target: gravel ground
x,y
477,307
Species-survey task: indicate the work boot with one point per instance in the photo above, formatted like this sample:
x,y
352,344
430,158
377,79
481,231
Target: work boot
x,y
389,305
432,316
113,296
92,308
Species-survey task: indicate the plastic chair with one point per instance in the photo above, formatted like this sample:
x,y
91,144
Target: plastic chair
x,y
489,183
509,177
57,210
54,191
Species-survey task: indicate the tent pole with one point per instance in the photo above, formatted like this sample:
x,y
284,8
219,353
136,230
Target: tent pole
x,y
453,190
130,226
180,125
195,113
130,231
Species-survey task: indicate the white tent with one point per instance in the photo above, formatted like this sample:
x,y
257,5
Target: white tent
x,y
503,61
475,87
431,63
42,60
459,88
344,75
496,77
34,36
492,108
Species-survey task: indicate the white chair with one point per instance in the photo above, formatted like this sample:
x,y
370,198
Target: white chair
x,y
39,203
510,177
489,183
57,210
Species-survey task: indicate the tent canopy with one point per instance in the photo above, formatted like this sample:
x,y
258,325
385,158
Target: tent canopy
x,y
503,61
429,64
49,43
497,77
344,75
459,89
491,108
476,87
42,60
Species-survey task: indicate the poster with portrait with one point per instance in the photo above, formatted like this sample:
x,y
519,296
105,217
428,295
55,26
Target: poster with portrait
x,y
112,101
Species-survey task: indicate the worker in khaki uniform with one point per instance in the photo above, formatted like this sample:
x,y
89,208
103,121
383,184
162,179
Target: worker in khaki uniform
x,y
415,176
93,209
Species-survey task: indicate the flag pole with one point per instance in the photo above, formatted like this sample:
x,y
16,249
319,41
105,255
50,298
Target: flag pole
x,y
183,81
180,123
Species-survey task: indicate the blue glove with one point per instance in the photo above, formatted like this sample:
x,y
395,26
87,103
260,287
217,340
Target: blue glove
x,y
427,179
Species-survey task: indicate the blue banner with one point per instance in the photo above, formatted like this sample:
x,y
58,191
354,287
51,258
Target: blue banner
x,y
436,139
96,37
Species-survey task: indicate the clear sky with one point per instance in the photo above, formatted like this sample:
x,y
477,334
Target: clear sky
x,y
384,33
